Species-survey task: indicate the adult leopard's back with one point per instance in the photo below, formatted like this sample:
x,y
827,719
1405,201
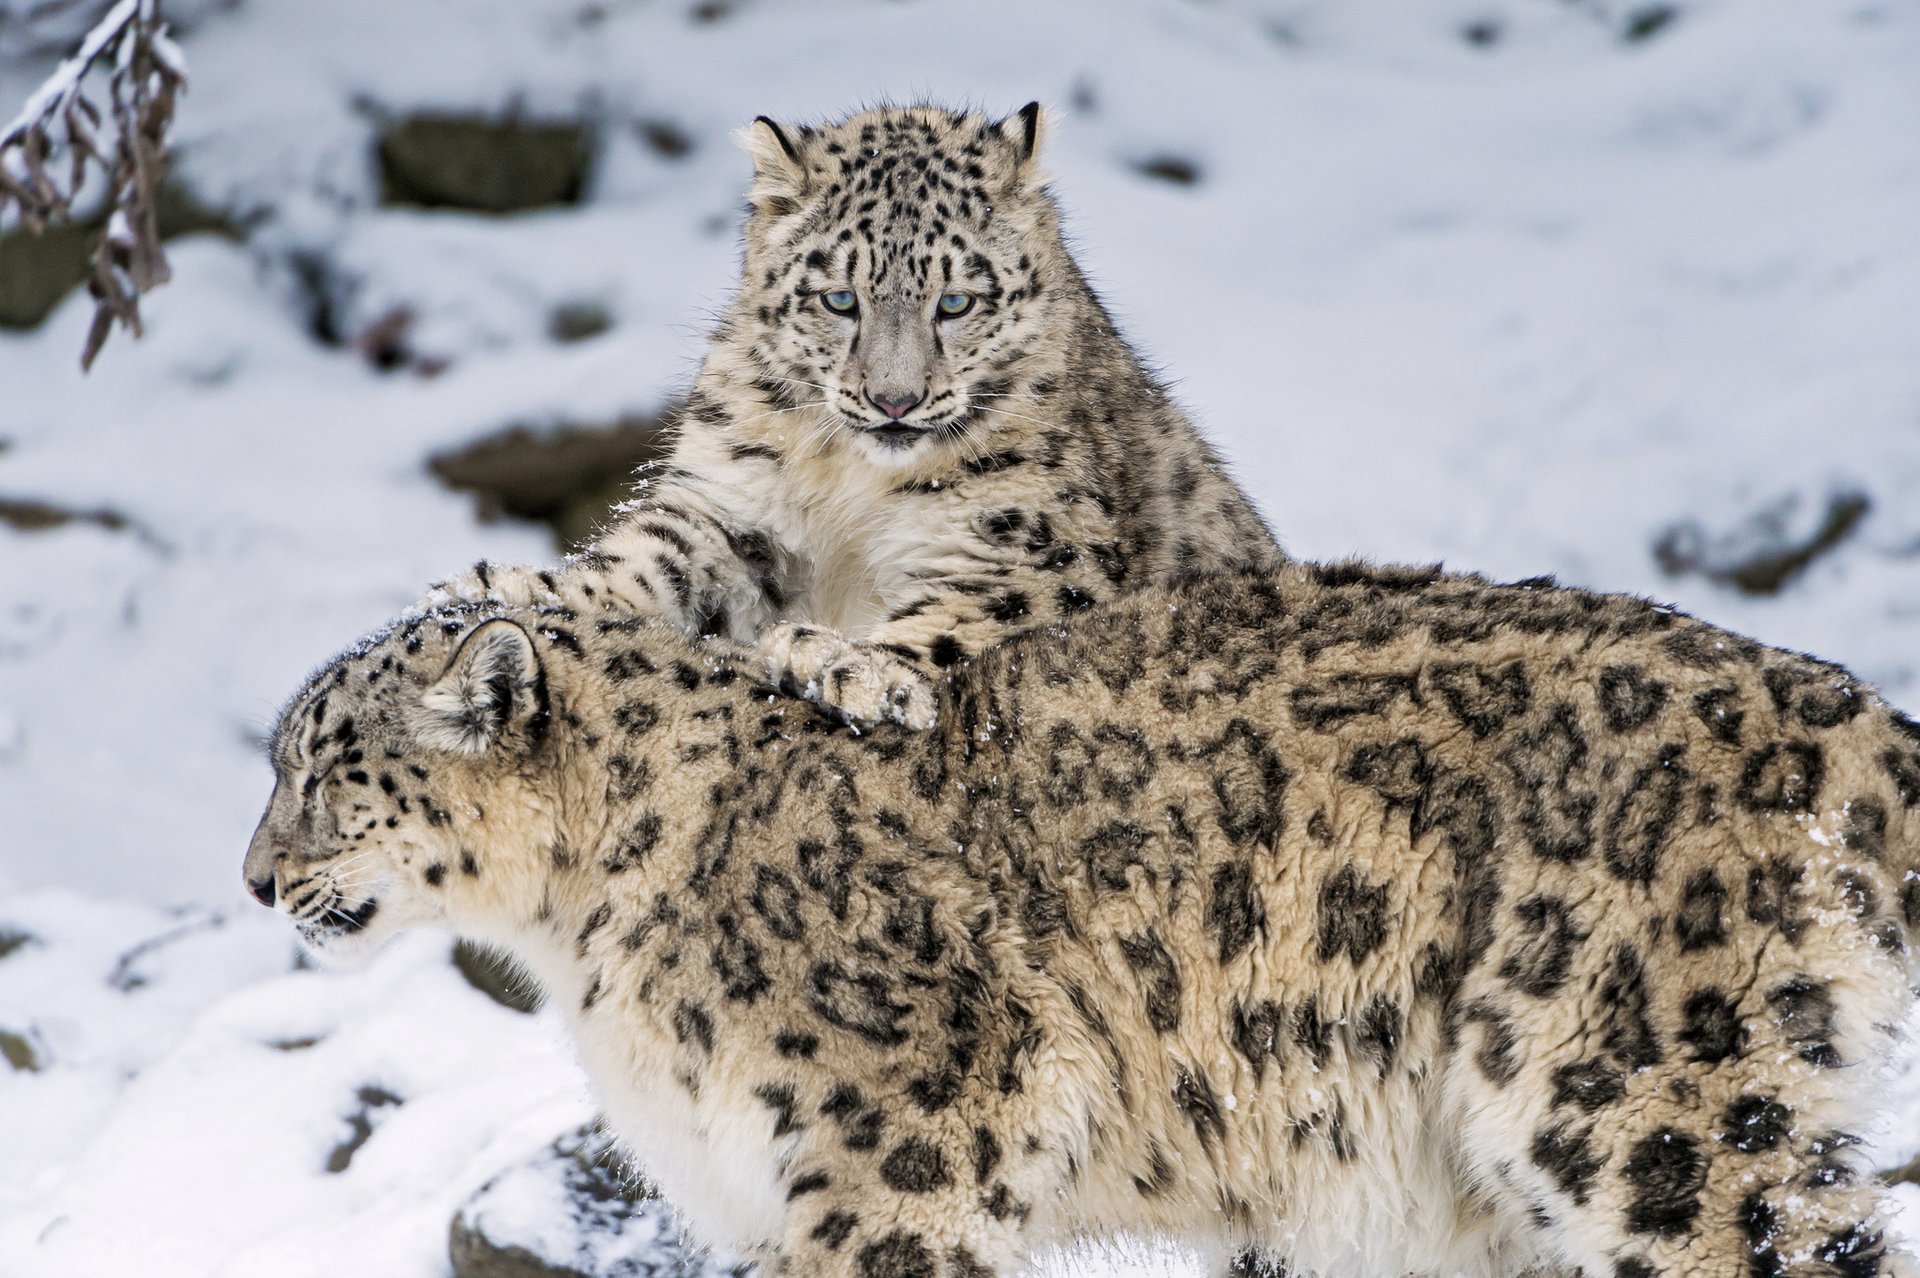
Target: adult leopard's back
x,y
1604,907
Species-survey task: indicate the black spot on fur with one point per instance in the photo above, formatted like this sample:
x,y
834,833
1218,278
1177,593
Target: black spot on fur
x,y
1484,700
900,1254
862,1003
736,961
1313,1033
1259,1033
1760,1225
1755,1123
1711,1026
834,1229
1539,962
915,1166
1782,777
986,1154
1642,820
1719,709
1499,1056
1701,922
779,1097
1196,1098
1804,1011
1234,911
1624,1001
1159,979
1629,697
1377,1032
691,1024
1854,1252
1665,1173
1568,1156
1352,916
1590,1085
1774,896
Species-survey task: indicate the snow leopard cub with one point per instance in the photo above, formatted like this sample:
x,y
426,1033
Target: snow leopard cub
x,y
916,431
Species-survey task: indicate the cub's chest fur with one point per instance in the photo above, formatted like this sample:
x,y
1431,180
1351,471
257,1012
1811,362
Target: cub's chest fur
x,y
859,542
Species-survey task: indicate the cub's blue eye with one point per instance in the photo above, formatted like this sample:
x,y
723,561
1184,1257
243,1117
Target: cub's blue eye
x,y
840,301
954,304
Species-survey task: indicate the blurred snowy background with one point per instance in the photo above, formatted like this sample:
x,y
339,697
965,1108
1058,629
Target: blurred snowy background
x,y
1624,290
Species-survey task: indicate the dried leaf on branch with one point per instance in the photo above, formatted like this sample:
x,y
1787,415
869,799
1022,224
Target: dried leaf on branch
x,y
63,136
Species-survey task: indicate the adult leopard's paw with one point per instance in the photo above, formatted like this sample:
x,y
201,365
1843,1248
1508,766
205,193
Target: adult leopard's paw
x,y
861,683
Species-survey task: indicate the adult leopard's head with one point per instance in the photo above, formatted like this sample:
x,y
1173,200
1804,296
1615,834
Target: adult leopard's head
x,y
395,769
903,267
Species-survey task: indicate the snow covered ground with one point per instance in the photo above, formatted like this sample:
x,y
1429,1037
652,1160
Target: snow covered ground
x,y
1481,280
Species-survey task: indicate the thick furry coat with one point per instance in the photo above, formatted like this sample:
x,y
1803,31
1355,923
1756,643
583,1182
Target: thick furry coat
x,y
1390,921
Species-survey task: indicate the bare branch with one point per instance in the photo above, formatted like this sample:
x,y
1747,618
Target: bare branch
x,y
144,72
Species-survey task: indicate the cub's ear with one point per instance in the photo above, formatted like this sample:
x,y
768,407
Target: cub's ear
x,y
1022,131
493,688
780,170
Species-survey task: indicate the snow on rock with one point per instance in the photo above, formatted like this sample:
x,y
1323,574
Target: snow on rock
x,y
573,1210
1521,285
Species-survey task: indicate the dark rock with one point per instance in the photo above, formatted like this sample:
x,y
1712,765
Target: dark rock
x,y
665,138
1176,169
569,477
23,514
37,269
484,165
14,938
1647,22
1769,548
1483,34
494,975
573,1212
18,1050
370,1101
577,321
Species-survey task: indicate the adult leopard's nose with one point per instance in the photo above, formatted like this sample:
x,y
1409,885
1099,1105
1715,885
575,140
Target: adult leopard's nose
x,y
262,890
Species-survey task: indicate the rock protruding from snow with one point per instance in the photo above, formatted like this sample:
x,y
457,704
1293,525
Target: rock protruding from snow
x,y
484,165
574,1211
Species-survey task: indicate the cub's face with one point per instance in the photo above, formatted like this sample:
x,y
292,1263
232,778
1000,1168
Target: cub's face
x,y
384,768
895,275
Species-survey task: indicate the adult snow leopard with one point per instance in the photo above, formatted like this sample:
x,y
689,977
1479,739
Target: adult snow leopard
x,y
916,431
1395,922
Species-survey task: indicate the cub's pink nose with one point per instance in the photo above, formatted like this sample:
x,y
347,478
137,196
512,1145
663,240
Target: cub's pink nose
x,y
894,406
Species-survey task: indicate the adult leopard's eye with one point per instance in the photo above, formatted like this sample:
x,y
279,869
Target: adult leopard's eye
x,y
953,305
840,301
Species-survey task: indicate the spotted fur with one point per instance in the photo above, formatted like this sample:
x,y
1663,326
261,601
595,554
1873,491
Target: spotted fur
x,y
1389,921
1042,470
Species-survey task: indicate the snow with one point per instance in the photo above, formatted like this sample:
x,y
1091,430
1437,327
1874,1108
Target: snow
x,y
1522,306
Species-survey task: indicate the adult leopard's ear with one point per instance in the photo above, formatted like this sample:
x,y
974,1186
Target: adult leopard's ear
x,y
1022,131
780,170
493,690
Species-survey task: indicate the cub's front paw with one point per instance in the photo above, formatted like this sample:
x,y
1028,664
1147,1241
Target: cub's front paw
x,y
863,684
